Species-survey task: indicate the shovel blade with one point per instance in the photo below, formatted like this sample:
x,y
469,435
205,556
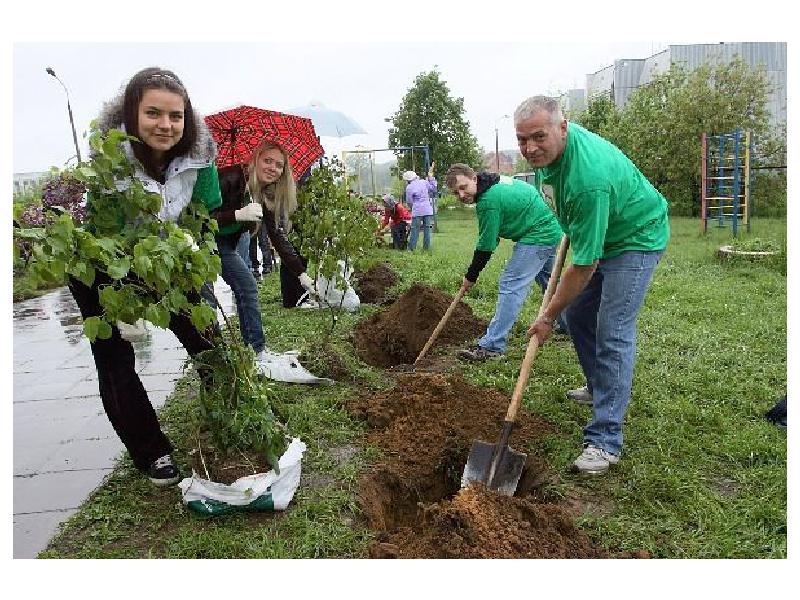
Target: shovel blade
x,y
510,464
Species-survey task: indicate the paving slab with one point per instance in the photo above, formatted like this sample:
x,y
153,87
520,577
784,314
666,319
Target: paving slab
x,y
33,531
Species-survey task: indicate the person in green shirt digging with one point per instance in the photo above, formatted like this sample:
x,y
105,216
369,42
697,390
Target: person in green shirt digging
x,y
511,209
618,228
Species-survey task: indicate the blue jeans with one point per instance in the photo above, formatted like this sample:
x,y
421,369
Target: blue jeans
x,y
260,240
399,232
602,323
526,263
243,248
426,222
238,276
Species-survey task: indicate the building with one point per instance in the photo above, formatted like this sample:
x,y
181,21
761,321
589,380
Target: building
x,y
508,159
625,75
573,101
26,181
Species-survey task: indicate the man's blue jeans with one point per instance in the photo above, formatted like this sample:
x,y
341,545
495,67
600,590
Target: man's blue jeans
x,y
426,223
526,263
602,323
238,276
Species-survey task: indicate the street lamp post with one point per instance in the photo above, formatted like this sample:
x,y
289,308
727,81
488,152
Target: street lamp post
x,y
50,71
497,143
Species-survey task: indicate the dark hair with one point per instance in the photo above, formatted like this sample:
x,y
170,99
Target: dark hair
x,y
155,78
454,171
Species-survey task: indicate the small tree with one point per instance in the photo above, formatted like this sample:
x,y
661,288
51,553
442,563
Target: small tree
x,y
332,228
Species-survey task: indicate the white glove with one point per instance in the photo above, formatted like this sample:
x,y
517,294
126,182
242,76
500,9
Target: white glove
x,y
191,242
251,212
307,282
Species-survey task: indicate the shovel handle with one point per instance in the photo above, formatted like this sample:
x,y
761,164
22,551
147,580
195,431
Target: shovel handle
x,y
442,323
533,345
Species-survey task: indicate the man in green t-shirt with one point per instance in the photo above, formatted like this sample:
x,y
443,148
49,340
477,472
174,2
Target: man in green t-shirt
x,y
514,210
618,228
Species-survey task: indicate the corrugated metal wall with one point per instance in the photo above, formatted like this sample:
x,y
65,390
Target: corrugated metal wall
x,y
620,79
627,74
770,55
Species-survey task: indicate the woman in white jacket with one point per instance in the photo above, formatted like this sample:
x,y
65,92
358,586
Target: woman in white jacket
x,y
174,156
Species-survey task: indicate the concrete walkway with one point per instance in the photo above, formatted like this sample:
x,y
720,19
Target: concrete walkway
x,y
63,443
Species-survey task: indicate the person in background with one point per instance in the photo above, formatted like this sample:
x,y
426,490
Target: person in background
x,y
397,217
618,227
418,199
173,156
511,209
260,239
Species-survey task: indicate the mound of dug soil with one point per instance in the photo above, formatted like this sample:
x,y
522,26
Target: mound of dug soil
x,y
396,335
371,285
425,426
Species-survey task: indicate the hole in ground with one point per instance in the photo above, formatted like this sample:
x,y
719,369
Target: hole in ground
x,y
397,335
425,426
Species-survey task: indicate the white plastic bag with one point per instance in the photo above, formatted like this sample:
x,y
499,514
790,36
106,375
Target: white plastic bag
x,y
284,366
259,492
133,333
330,296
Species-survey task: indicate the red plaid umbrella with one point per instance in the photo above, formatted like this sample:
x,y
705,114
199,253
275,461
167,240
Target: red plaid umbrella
x,y
239,131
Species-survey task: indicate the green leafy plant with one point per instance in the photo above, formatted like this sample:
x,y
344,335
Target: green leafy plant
x,y
235,406
331,226
153,265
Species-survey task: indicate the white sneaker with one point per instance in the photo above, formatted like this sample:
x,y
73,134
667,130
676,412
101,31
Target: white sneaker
x,y
594,461
582,395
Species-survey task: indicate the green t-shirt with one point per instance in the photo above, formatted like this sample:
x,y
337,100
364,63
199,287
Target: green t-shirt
x,y
602,200
514,210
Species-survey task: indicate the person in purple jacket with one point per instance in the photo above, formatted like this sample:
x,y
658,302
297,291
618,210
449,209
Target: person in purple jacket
x,y
418,199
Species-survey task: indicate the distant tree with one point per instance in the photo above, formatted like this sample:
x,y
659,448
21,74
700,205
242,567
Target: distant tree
x,y
600,116
521,165
428,115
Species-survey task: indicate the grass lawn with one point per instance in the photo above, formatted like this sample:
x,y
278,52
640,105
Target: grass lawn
x,y
702,475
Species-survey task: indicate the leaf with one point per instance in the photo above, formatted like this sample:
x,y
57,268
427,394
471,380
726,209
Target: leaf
x,y
158,315
86,172
103,330
202,316
120,268
91,326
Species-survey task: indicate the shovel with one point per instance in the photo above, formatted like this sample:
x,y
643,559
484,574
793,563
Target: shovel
x,y
441,324
498,466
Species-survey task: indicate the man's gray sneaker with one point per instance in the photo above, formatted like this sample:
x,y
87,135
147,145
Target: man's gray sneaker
x,y
594,461
582,395
477,354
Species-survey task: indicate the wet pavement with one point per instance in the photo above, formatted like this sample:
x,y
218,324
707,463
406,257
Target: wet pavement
x,y
63,443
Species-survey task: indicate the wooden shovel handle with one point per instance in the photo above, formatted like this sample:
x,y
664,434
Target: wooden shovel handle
x,y
442,323
533,345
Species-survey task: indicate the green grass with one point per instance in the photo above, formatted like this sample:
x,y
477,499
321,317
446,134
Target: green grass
x,y
702,474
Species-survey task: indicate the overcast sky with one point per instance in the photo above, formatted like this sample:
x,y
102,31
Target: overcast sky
x,y
366,81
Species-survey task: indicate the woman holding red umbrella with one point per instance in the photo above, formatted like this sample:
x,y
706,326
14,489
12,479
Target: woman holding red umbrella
x,y
271,147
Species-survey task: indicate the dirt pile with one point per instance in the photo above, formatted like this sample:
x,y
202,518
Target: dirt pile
x,y
371,285
425,426
396,335
477,523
